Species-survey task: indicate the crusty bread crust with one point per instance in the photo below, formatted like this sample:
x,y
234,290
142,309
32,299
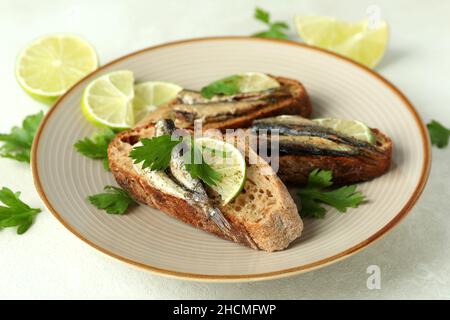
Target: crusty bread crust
x,y
295,169
297,104
280,223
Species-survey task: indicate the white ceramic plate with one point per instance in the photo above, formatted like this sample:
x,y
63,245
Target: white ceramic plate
x,y
148,238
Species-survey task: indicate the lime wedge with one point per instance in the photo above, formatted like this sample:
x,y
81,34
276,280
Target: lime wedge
x,y
351,128
255,81
360,41
229,162
151,94
107,100
50,65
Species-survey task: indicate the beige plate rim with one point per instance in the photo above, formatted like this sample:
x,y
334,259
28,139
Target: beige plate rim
x,y
261,276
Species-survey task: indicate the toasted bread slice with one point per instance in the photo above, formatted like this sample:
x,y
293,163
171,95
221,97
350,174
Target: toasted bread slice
x,y
295,169
263,216
297,102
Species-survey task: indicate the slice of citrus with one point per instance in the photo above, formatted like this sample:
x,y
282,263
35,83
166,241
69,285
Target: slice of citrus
x,y
351,128
50,65
255,81
108,100
229,162
151,94
361,41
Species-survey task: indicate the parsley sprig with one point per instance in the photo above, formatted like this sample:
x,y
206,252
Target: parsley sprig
x,y
155,154
275,30
17,143
316,193
96,147
114,200
15,213
439,134
227,86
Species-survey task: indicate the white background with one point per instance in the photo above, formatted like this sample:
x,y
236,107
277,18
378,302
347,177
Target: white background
x,y
49,262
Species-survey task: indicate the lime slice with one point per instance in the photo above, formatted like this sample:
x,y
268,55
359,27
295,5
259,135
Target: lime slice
x,y
360,41
108,100
255,81
229,162
151,94
351,128
50,65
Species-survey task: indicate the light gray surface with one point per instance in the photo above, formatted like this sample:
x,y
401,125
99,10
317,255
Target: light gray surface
x,y
49,262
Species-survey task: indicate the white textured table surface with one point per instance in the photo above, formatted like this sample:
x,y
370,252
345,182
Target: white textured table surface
x,y
49,262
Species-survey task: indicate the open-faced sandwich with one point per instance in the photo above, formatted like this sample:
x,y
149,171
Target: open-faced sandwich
x,y
215,110
262,216
238,193
328,144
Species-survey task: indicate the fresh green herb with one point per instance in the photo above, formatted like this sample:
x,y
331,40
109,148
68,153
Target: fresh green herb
x,y
200,169
313,195
16,213
226,86
96,147
438,134
275,29
17,143
155,152
114,200
262,15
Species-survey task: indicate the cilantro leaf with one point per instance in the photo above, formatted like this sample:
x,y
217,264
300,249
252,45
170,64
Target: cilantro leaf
x,y
313,195
273,32
311,208
439,134
262,15
200,169
320,179
226,86
155,153
17,143
342,198
114,200
270,34
276,29
96,147
15,213
280,25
